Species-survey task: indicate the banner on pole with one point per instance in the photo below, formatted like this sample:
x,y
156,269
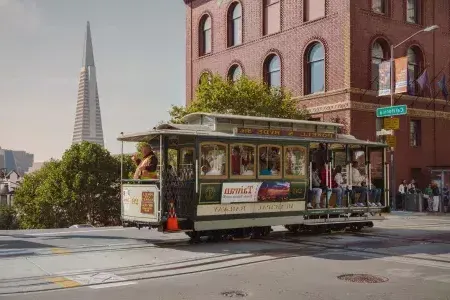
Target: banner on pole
x,y
401,75
384,79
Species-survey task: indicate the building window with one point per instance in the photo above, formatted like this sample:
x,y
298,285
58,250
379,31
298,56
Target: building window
x,y
378,127
379,6
412,11
315,58
415,63
205,76
234,73
235,24
313,9
272,16
415,133
272,71
379,54
205,35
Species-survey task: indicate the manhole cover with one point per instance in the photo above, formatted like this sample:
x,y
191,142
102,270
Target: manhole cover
x,y
234,294
362,278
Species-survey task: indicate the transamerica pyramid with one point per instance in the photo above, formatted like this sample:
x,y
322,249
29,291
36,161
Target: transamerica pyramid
x,y
88,120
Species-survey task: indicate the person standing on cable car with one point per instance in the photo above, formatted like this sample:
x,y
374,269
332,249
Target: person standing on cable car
x,y
146,167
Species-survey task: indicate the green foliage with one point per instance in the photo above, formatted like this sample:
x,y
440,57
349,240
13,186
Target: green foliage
x,y
8,218
243,97
81,188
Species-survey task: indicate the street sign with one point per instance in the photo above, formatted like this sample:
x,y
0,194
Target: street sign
x,y
391,123
384,132
390,111
391,141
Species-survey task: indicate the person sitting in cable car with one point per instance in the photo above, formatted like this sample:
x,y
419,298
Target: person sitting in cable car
x,y
146,167
235,161
316,188
334,187
265,169
356,180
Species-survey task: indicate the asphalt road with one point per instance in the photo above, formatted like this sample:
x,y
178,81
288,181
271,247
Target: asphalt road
x,y
409,254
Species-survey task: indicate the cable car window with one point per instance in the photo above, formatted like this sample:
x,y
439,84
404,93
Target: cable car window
x,y
295,161
186,157
242,160
213,160
269,161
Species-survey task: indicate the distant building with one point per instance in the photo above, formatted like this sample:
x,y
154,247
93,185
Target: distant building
x,y
88,121
15,160
35,167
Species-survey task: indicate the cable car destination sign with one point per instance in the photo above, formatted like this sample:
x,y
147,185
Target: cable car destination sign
x,y
293,133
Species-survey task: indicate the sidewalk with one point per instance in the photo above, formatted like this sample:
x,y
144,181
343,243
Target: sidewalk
x,y
418,214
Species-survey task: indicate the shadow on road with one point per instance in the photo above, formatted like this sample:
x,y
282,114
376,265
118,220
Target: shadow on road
x,y
379,241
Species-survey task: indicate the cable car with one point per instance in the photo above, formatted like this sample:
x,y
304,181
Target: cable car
x,y
225,175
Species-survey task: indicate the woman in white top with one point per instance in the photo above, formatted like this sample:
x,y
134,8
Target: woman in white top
x,y
402,189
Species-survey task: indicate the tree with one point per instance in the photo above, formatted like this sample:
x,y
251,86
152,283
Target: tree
x,y
83,187
38,198
91,176
243,97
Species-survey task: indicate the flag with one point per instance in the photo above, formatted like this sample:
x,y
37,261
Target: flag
x,y
411,84
443,86
424,82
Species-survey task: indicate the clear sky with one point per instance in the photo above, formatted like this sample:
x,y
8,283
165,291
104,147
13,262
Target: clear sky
x,y
139,51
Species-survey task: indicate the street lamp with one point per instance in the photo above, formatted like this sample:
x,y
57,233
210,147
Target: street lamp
x,y
427,29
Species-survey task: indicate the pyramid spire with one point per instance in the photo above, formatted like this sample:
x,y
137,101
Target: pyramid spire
x,y
88,54
88,121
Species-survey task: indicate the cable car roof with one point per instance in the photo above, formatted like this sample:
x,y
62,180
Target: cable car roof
x,y
193,116
206,131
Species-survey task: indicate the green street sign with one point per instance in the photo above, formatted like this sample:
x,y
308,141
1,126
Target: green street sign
x,y
390,111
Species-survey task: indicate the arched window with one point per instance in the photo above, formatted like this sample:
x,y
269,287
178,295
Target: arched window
x,y
315,59
205,76
272,16
415,63
234,73
379,54
235,24
205,35
272,71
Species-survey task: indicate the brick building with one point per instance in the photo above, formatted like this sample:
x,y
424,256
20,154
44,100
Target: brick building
x,y
327,53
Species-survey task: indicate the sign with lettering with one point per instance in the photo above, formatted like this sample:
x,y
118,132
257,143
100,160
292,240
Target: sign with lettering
x,y
389,111
140,202
238,192
291,133
210,193
391,123
298,191
148,203
250,208
233,192
391,141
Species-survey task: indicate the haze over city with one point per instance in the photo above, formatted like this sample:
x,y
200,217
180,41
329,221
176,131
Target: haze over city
x,y
139,51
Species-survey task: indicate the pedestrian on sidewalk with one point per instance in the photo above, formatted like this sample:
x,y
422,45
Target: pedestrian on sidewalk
x,y
428,196
402,189
446,194
436,196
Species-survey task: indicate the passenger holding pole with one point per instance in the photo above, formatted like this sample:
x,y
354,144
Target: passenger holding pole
x,y
332,186
316,189
146,167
